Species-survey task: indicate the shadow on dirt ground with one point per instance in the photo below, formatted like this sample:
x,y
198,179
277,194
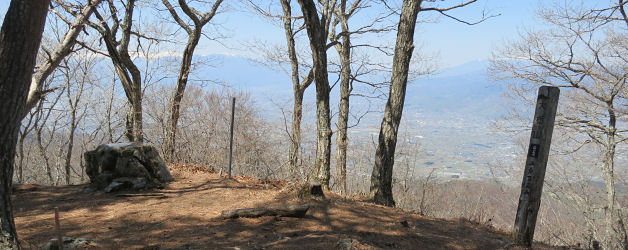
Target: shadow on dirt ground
x,y
186,215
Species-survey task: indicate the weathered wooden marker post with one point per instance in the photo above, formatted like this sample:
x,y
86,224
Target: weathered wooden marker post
x,y
58,230
534,173
231,137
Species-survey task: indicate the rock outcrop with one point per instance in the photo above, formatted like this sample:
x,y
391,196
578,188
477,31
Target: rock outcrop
x,y
126,166
72,243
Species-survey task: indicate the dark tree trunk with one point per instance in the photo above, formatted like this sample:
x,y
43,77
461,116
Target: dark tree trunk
x,y
19,42
381,179
317,33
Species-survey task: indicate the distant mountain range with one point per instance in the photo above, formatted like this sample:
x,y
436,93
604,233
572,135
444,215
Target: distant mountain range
x,y
463,89
451,112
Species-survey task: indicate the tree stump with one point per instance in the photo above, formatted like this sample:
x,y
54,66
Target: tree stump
x,y
311,190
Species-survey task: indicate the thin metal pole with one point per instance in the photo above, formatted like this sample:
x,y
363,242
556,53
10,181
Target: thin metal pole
x,y
231,138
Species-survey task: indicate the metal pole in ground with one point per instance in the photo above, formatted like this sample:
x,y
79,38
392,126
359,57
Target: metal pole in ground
x,y
231,137
536,163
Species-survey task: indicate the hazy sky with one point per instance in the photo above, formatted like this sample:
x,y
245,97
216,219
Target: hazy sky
x,y
454,42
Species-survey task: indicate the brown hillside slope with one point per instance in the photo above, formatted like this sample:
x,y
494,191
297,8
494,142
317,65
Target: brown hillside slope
x,y
185,215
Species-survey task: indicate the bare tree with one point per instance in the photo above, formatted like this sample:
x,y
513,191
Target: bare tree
x,y
381,179
127,71
293,63
344,50
19,41
194,31
299,85
584,51
342,42
77,76
317,30
63,49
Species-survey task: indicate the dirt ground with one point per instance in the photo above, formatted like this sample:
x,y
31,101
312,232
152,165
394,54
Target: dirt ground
x,y
186,215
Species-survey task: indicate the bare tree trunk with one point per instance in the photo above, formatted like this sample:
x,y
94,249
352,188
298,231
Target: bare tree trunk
x,y
44,154
74,120
20,165
298,87
608,169
175,108
109,111
297,116
137,134
381,179
36,91
194,35
68,156
126,70
20,37
344,50
20,145
317,33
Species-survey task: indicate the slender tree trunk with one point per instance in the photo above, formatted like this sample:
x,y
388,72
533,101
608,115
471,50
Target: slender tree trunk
x,y
20,165
344,50
295,143
109,110
68,156
19,41
175,108
381,179
317,34
298,88
44,154
194,35
608,167
74,120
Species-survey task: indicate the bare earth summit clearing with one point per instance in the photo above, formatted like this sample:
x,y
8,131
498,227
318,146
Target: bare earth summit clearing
x,y
186,215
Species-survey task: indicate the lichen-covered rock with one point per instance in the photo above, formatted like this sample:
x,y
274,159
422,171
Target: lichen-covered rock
x,y
72,243
121,166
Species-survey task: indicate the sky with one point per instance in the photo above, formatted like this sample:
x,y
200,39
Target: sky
x,y
454,43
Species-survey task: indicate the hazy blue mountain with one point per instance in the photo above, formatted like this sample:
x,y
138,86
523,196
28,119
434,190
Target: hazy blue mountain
x,y
465,88
242,73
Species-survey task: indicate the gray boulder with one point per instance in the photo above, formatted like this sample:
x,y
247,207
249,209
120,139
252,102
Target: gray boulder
x,y
124,166
71,243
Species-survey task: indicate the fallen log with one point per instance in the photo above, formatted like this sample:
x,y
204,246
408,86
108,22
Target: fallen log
x,y
284,211
159,195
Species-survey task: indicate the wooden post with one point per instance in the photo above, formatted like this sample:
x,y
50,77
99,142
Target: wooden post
x,y
536,162
58,229
231,137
